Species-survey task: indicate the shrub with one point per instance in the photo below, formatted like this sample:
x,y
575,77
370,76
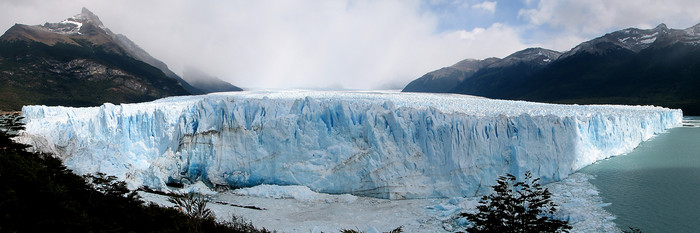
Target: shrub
x,y
516,207
193,205
395,230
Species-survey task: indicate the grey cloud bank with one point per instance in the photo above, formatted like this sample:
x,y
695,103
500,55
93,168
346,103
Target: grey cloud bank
x,y
339,44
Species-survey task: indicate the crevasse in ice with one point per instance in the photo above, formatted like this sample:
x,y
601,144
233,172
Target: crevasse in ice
x,y
381,144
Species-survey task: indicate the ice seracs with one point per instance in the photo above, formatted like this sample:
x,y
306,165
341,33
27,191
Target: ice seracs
x,y
388,145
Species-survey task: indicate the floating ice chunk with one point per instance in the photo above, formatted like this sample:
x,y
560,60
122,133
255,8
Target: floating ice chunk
x,y
198,187
279,192
292,192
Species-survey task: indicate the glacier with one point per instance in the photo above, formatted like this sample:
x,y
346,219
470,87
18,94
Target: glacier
x,y
369,143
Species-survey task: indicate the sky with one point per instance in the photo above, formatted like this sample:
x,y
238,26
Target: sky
x,y
348,44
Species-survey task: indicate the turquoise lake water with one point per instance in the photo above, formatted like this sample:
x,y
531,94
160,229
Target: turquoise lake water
x,y
656,187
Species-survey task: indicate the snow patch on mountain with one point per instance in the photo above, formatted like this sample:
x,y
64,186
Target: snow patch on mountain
x,y
72,26
388,145
67,26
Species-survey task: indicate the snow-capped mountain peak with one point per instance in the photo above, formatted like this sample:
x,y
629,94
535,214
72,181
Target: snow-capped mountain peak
x,y
636,40
87,27
661,26
88,17
73,25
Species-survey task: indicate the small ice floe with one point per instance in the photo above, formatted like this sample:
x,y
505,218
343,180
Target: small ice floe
x,y
198,187
297,192
691,123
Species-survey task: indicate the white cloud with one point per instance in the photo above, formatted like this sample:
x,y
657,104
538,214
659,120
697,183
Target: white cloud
x,y
498,40
563,42
594,17
561,25
461,4
287,44
487,6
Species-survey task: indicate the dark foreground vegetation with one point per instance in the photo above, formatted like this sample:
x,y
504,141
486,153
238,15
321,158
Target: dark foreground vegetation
x,y
516,206
38,194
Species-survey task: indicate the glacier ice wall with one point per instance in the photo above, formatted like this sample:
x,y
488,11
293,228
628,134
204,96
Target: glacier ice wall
x,y
389,145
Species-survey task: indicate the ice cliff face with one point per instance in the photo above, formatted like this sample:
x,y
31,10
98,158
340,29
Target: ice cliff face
x,y
388,145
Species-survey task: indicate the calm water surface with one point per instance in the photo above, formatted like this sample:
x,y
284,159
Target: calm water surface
x,y
656,187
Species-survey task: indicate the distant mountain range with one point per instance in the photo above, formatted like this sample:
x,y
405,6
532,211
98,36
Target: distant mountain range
x,y
658,66
80,62
206,82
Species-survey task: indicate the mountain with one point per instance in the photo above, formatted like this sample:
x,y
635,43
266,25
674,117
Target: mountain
x,y
444,79
205,82
500,75
447,78
139,54
79,62
659,66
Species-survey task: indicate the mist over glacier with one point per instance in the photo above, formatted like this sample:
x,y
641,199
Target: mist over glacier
x,y
379,144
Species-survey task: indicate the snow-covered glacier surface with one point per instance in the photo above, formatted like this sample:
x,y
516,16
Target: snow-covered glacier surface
x,y
380,144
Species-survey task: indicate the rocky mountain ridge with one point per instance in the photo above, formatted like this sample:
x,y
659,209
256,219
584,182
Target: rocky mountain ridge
x,y
658,66
80,62
444,79
636,40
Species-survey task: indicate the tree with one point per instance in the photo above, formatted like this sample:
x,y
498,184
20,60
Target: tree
x,y
516,207
192,205
111,187
10,126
